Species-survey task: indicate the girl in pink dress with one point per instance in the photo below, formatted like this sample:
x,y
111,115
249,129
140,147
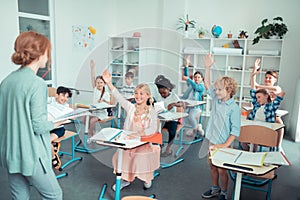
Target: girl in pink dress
x,y
140,162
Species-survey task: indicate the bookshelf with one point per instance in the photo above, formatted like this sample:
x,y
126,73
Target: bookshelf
x,y
230,61
124,56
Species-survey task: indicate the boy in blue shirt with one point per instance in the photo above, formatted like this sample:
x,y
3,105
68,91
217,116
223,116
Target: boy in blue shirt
x,y
223,125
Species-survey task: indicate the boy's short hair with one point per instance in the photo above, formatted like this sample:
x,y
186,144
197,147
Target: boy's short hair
x,y
64,90
129,75
272,73
229,84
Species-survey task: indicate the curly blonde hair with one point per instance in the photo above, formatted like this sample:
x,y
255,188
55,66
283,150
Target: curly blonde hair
x,y
228,83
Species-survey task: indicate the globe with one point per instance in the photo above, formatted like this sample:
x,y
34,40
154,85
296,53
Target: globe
x,y
216,31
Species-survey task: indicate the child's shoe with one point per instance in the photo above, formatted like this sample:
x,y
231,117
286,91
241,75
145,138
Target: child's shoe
x,y
56,163
147,185
200,129
122,185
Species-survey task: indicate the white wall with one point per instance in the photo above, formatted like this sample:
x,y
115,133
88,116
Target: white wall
x,y
124,16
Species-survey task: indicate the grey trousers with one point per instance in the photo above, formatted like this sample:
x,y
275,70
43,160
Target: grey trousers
x,y
45,183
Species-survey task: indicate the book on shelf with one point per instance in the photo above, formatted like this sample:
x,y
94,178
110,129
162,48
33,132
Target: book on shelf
x,y
263,52
56,114
222,50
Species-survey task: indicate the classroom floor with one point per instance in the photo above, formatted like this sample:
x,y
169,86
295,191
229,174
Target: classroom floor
x,y
184,181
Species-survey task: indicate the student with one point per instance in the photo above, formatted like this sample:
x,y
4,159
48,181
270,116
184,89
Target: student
x,y
99,95
128,88
270,80
194,92
171,101
60,102
264,109
141,118
223,125
24,139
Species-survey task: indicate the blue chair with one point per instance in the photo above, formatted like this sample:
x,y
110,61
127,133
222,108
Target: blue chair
x,y
69,135
262,136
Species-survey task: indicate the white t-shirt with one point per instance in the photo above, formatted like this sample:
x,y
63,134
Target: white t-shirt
x,y
97,95
260,115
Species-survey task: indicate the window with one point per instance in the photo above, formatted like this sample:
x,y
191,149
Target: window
x,y
35,15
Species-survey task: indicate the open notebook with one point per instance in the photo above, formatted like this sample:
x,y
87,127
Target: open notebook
x,y
116,137
57,114
236,156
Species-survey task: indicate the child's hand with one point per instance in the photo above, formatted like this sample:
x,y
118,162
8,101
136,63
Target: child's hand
x,y
92,64
256,65
188,60
106,76
208,61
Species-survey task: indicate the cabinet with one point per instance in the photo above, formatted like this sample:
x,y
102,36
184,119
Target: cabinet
x,y
124,56
230,61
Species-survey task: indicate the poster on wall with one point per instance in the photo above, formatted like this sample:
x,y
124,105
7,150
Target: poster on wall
x,y
83,37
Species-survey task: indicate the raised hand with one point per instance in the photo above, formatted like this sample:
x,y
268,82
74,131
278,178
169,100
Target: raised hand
x,y
208,61
106,76
257,64
92,64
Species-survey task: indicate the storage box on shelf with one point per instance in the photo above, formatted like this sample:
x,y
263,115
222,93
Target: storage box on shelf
x,y
233,57
124,56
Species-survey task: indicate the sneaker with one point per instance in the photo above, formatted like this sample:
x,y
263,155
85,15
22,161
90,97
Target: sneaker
x,y
147,185
210,193
200,129
222,196
123,184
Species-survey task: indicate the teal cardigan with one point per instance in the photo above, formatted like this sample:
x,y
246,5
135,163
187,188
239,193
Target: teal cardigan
x,y
24,135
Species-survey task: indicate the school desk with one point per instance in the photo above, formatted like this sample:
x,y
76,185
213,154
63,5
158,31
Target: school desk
x,y
84,148
240,170
125,145
170,116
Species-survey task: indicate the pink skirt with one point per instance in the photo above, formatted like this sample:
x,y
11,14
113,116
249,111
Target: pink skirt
x,y
140,162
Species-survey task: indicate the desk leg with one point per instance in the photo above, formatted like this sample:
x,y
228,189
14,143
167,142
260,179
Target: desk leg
x,y
118,174
238,181
86,131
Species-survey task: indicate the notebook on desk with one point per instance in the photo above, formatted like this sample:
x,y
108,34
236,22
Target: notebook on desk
x,y
56,114
116,137
235,156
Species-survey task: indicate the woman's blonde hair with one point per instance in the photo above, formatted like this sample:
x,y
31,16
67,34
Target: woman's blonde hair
x,y
228,83
145,88
29,46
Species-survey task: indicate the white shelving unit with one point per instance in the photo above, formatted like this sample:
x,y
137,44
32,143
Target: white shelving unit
x,y
230,61
124,56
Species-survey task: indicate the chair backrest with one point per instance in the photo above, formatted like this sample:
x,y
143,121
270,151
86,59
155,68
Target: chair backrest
x,y
51,91
260,135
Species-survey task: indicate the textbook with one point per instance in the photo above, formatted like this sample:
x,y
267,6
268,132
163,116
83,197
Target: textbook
x,y
171,115
95,106
116,137
235,156
61,113
276,158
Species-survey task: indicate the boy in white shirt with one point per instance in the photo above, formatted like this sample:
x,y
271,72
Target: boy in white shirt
x,y
58,103
128,88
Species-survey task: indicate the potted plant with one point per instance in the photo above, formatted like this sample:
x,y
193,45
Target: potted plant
x,y
269,30
202,32
184,24
243,34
